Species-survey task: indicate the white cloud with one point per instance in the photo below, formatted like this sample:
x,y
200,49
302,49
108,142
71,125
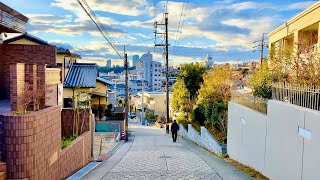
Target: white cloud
x,y
300,5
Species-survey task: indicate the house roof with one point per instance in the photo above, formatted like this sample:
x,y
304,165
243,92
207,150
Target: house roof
x,y
100,79
28,37
61,50
120,86
81,75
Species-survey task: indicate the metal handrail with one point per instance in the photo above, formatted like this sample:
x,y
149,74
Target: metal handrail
x,y
12,22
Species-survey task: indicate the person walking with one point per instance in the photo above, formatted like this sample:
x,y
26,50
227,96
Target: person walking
x,y
174,130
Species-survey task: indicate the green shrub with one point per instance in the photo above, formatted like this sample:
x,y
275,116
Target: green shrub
x,y
197,115
119,116
67,140
108,111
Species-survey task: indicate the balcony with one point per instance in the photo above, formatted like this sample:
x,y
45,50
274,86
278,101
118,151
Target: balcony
x,y
11,21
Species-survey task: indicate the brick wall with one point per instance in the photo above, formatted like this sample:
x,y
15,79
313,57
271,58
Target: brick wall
x,y
32,146
22,75
29,54
17,81
1,139
76,155
67,121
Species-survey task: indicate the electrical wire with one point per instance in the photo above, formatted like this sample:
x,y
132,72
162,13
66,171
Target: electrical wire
x,y
96,21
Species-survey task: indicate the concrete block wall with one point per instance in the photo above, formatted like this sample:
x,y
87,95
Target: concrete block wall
x,y
29,54
210,143
274,144
204,139
247,135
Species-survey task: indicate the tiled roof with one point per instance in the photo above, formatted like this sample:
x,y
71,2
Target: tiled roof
x,y
81,75
100,79
26,36
61,50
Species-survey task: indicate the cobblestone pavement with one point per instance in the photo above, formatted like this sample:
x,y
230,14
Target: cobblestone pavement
x,y
151,154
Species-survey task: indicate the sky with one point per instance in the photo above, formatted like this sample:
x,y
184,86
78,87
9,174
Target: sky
x,y
224,29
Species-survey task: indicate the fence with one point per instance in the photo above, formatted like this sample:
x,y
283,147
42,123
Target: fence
x,y
248,100
307,96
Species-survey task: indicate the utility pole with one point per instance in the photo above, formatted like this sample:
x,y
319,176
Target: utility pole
x,y
127,94
167,65
261,51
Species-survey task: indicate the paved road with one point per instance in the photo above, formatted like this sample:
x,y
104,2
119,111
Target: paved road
x,y
151,154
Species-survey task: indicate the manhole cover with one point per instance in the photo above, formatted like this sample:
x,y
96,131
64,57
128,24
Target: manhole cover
x,y
165,157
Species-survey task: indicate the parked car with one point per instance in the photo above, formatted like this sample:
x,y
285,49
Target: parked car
x,y
133,115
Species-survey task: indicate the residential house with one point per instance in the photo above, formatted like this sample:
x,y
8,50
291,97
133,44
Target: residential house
x,y
79,84
100,93
65,59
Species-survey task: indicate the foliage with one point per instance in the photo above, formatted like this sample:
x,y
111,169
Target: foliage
x,y
215,87
108,111
261,82
100,111
191,75
298,63
119,116
197,115
32,96
180,101
151,115
121,102
67,140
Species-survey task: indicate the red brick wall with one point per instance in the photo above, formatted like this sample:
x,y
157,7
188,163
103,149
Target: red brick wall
x,y
76,155
21,75
16,53
32,146
67,121
1,139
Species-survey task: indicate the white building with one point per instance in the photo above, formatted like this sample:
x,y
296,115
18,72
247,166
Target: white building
x,y
136,86
209,61
152,101
150,71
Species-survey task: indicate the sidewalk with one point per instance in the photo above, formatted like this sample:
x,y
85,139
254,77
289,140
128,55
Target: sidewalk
x,y
151,154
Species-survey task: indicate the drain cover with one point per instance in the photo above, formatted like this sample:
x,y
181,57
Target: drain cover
x,y
165,157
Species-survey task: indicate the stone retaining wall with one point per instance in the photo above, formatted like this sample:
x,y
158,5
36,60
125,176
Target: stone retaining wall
x,y
203,139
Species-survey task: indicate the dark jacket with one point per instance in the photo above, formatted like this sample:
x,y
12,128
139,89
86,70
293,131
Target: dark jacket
x,y
174,127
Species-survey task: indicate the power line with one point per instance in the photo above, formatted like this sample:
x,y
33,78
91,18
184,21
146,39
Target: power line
x,y
96,21
179,31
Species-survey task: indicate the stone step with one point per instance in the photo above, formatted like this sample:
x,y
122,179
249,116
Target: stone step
x,y
3,176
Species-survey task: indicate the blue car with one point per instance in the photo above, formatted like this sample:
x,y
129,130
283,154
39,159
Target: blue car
x,y
133,115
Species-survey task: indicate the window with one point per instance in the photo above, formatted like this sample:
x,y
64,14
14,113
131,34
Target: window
x,y
67,103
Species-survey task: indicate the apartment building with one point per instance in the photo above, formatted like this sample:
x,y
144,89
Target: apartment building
x,y
150,71
302,28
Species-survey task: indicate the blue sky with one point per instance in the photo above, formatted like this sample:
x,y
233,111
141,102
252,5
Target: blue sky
x,y
224,29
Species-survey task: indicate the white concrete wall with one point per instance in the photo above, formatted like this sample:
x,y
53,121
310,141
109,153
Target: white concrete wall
x,y
272,144
203,139
246,135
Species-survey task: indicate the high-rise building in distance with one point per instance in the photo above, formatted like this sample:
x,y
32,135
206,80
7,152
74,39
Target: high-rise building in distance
x,y
108,64
135,59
